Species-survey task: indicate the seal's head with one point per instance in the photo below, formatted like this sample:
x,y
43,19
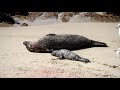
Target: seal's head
x,y
29,46
35,47
25,43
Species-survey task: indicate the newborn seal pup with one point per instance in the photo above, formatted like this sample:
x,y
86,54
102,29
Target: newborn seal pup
x,y
52,42
66,54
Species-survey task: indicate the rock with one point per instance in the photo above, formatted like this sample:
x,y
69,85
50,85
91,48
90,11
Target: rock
x,y
24,24
51,15
33,15
65,18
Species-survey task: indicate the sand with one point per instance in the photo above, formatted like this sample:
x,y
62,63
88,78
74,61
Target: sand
x,y
17,62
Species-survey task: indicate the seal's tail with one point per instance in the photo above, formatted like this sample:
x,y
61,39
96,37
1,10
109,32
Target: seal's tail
x,y
98,44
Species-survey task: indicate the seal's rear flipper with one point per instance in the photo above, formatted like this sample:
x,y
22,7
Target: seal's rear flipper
x,y
98,44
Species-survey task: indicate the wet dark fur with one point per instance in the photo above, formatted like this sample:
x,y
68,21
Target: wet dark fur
x,y
52,42
66,54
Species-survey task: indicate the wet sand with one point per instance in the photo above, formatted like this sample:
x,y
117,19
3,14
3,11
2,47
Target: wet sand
x,y
17,62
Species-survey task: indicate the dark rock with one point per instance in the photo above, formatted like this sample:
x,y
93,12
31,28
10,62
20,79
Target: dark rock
x,y
24,24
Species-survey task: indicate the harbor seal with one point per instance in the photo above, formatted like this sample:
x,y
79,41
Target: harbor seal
x,y
66,54
52,42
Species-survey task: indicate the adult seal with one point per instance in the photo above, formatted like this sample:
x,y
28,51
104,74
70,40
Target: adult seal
x,y
66,54
52,42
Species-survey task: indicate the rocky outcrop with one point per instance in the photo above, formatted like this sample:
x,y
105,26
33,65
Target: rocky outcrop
x,y
39,17
114,13
7,19
65,17
51,15
103,18
33,15
44,15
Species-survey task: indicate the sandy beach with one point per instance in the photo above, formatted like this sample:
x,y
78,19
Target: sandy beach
x,y
17,62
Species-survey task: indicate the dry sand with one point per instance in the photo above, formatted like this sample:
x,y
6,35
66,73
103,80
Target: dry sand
x,y
17,62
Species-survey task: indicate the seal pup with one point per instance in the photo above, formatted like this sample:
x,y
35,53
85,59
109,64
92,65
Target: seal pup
x,y
52,42
66,54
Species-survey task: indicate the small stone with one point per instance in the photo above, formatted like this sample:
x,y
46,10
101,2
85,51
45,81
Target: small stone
x,y
24,24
